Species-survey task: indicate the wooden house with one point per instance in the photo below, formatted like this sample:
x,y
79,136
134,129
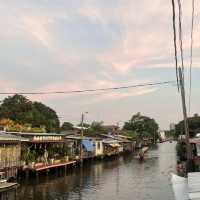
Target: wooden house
x,y
10,154
42,150
111,147
83,147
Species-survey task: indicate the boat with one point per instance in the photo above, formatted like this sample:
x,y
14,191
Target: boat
x,y
4,184
142,152
186,188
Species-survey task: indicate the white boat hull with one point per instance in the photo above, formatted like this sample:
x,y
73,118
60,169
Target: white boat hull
x,y
180,187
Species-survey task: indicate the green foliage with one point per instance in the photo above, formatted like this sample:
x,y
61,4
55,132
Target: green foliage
x,y
170,134
143,126
21,110
129,133
28,155
193,123
97,127
84,125
66,126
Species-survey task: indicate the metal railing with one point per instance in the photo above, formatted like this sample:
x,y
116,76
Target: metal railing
x,y
8,164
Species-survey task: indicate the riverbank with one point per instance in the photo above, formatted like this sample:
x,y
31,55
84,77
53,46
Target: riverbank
x,y
24,153
119,178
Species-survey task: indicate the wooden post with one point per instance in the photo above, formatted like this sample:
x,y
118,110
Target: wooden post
x,y
27,173
187,135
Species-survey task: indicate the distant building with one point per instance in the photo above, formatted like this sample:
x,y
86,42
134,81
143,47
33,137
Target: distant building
x,y
162,135
111,129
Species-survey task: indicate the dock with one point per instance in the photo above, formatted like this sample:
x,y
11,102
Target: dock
x,y
44,167
8,186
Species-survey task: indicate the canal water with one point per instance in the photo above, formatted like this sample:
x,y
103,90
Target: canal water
x,y
123,178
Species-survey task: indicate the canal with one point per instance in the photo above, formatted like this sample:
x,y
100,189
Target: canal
x,y
123,178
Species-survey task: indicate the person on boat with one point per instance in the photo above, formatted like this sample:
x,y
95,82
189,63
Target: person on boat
x,y
141,155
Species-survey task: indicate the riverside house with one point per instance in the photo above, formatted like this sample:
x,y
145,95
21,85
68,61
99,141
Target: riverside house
x,y
111,147
43,151
10,154
81,146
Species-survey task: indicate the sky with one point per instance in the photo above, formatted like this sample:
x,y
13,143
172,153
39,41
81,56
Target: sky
x,y
61,45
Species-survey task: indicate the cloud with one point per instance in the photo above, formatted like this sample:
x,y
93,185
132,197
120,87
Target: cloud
x,y
126,94
67,45
37,28
7,86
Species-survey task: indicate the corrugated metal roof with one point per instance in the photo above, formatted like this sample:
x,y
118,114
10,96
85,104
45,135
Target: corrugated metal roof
x,y
40,134
194,185
74,137
110,141
8,137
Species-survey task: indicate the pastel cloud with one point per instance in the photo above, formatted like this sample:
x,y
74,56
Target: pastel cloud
x,y
125,94
69,45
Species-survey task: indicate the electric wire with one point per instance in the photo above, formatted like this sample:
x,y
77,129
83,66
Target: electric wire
x,y
89,90
191,57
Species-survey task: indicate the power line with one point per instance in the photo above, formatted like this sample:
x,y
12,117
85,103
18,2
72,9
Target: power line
x,y
180,35
89,90
191,56
175,46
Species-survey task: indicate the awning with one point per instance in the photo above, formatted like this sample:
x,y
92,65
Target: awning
x,y
115,145
88,145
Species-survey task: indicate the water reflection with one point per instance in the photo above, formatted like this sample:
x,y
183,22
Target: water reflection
x,y
123,178
8,195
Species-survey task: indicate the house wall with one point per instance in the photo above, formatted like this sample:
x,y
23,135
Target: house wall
x,y
10,159
108,150
98,148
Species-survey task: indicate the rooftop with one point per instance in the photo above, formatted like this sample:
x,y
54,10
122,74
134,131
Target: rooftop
x,y
9,137
35,134
77,137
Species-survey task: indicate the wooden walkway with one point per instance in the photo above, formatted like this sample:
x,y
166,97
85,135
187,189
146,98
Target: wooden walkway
x,y
53,166
7,186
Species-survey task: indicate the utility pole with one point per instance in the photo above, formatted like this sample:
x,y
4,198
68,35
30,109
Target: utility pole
x,y
187,135
81,148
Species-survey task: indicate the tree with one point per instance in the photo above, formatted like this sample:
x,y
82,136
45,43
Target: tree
x,y
143,126
97,127
17,108
47,117
66,126
23,111
85,125
193,123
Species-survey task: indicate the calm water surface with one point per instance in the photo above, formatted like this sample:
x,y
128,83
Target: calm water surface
x,y
118,179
